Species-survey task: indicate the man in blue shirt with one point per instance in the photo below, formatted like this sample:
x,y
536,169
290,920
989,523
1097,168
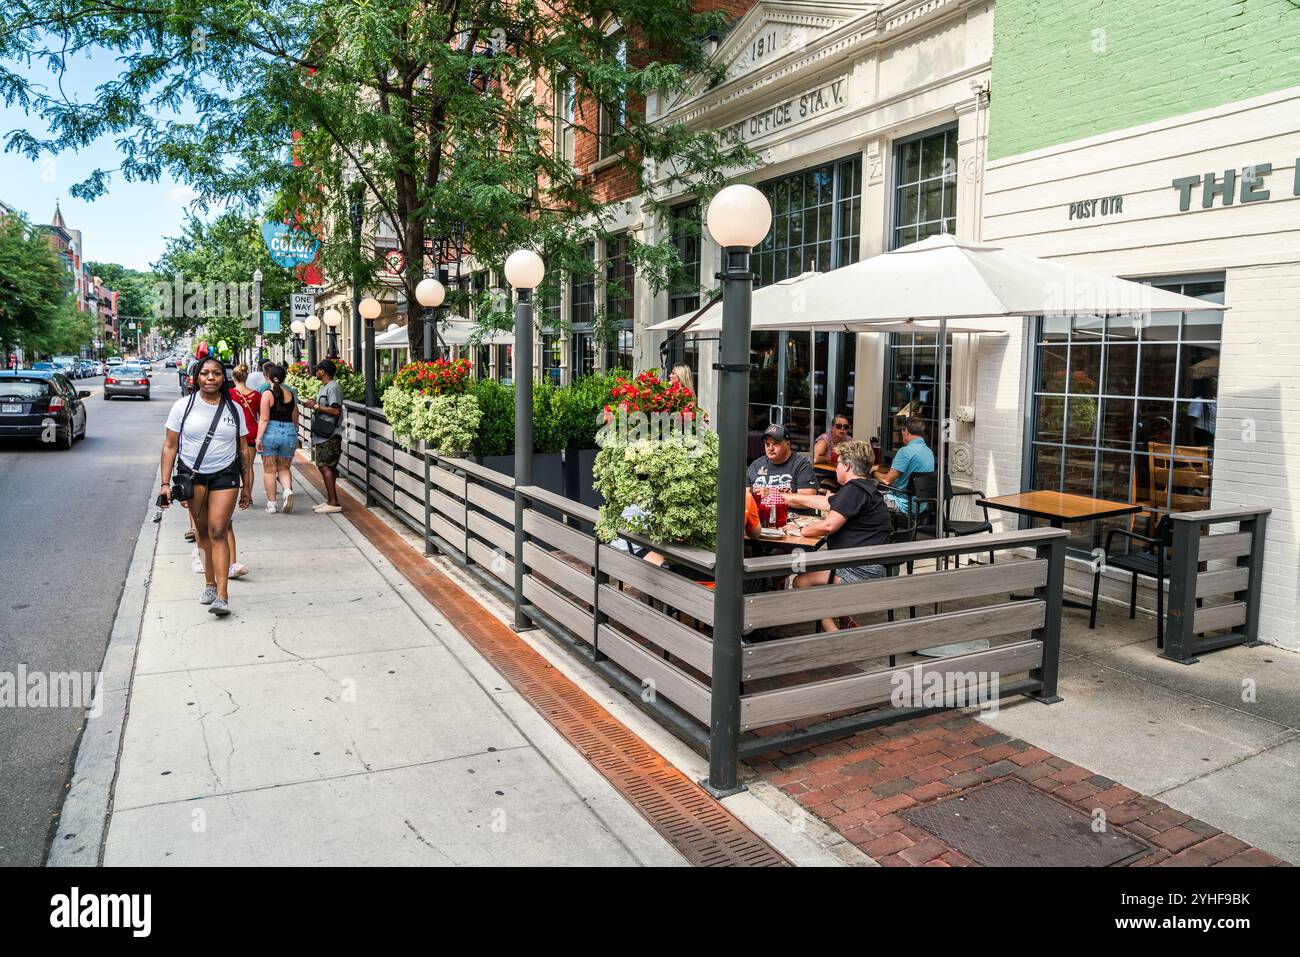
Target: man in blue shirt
x,y
914,456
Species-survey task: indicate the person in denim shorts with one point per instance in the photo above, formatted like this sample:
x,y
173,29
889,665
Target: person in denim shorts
x,y
277,439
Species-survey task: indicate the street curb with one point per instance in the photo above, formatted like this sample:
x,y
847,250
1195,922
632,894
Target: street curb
x,y
84,816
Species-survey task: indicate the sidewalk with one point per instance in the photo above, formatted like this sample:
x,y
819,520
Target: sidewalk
x,y
337,718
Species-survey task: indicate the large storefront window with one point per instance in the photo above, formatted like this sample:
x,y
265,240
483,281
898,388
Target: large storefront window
x,y
803,378
925,187
620,301
1125,409
684,296
911,389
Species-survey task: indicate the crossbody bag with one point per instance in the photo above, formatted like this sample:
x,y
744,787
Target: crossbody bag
x,y
323,424
182,474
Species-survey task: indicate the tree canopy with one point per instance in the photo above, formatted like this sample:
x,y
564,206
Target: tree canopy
x,y
422,108
37,312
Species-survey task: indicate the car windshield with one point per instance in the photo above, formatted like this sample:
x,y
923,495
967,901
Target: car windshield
x,y
129,370
24,388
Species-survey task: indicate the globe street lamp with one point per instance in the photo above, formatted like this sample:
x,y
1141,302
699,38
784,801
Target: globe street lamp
x,y
524,270
369,308
298,329
332,319
257,306
430,293
738,218
313,326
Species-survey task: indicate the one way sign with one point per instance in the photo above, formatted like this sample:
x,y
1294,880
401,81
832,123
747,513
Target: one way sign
x,y
303,304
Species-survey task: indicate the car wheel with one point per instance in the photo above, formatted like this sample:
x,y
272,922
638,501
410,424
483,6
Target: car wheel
x,y
107,397
66,444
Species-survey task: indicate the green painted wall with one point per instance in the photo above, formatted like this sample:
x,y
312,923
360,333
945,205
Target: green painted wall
x,y
1067,69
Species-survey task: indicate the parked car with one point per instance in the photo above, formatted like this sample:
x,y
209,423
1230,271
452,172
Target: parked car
x,y
42,367
126,380
29,400
67,365
114,361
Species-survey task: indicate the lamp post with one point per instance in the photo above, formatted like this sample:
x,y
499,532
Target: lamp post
x,y
369,309
332,319
313,326
257,311
430,293
524,270
738,218
297,328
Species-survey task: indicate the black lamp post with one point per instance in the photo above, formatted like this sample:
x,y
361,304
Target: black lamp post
x,y
369,309
297,328
524,270
313,325
332,320
430,294
739,217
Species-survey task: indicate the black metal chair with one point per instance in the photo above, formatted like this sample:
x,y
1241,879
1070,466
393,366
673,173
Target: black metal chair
x,y
1150,561
960,527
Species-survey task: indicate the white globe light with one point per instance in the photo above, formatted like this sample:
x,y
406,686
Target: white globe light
x,y
332,317
430,293
370,308
312,323
525,269
739,216
297,327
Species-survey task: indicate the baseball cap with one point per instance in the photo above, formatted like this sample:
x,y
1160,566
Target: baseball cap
x,y
331,370
778,432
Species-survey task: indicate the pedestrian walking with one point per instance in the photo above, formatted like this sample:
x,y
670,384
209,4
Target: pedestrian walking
x,y
207,433
249,402
277,438
257,377
327,432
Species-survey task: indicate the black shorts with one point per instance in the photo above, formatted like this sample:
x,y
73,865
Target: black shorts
x,y
227,477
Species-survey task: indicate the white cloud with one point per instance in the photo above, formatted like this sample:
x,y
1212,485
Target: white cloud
x,y
182,195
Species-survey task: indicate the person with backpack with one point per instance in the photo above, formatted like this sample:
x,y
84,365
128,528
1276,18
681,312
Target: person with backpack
x,y
203,464
277,438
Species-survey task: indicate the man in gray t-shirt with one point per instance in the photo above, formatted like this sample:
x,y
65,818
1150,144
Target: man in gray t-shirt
x,y
326,445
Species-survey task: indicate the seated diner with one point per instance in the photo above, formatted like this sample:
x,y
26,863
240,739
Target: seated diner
x,y
913,457
857,517
779,467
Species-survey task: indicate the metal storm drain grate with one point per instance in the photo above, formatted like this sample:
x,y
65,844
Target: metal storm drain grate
x,y
1010,824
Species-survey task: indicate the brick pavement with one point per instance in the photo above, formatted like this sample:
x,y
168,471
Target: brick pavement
x,y
859,784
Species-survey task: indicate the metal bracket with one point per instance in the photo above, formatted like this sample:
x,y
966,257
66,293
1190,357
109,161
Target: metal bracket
x,y
735,366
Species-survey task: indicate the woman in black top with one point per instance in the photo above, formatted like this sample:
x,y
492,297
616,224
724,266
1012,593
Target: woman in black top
x,y
858,517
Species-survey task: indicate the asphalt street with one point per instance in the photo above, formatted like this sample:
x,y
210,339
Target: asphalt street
x,y
68,525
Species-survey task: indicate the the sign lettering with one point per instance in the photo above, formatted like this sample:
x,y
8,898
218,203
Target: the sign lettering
x,y
788,113
1246,186
1089,208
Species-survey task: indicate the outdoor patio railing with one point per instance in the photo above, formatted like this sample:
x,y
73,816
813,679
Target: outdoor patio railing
x,y
649,628
1235,566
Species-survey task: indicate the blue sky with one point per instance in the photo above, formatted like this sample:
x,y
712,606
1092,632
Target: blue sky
x,y
130,223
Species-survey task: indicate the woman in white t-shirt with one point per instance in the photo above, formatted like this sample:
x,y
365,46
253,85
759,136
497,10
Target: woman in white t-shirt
x,y
222,473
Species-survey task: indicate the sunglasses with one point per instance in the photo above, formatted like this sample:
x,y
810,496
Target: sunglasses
x,y
840,426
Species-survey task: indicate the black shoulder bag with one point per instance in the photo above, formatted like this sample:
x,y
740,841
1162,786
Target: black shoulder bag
x,y
323,424
182,474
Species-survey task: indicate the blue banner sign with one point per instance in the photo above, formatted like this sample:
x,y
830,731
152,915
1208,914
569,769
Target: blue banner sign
x,y
289,247
271,321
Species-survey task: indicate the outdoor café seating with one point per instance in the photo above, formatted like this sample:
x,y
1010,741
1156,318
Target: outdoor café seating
x,y
1150,558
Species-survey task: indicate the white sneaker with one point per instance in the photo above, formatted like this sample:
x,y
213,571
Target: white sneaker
x,y
197,566
327,508
287,507
237,570
270,508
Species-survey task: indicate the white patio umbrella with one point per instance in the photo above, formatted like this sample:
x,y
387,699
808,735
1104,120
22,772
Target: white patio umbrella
x,y
939,279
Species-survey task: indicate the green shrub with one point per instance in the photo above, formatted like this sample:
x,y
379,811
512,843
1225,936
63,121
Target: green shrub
x,y
496,433
675,481
445,423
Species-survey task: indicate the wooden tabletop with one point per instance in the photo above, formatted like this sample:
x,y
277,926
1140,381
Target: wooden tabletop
x,y
1060,506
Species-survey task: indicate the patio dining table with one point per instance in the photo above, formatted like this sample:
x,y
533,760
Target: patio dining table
x,y
1059,509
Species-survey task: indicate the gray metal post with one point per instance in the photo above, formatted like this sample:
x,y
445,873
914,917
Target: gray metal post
x,y
1180,615
355,211
370,364
941,461
523,439
1255,561
428,334
728,597
1052,594
311,348
428,533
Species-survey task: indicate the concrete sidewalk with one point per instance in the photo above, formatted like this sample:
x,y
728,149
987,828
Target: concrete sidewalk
x,y
337,718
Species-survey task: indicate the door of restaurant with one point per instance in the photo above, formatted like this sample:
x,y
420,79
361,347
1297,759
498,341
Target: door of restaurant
x,y
801,380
